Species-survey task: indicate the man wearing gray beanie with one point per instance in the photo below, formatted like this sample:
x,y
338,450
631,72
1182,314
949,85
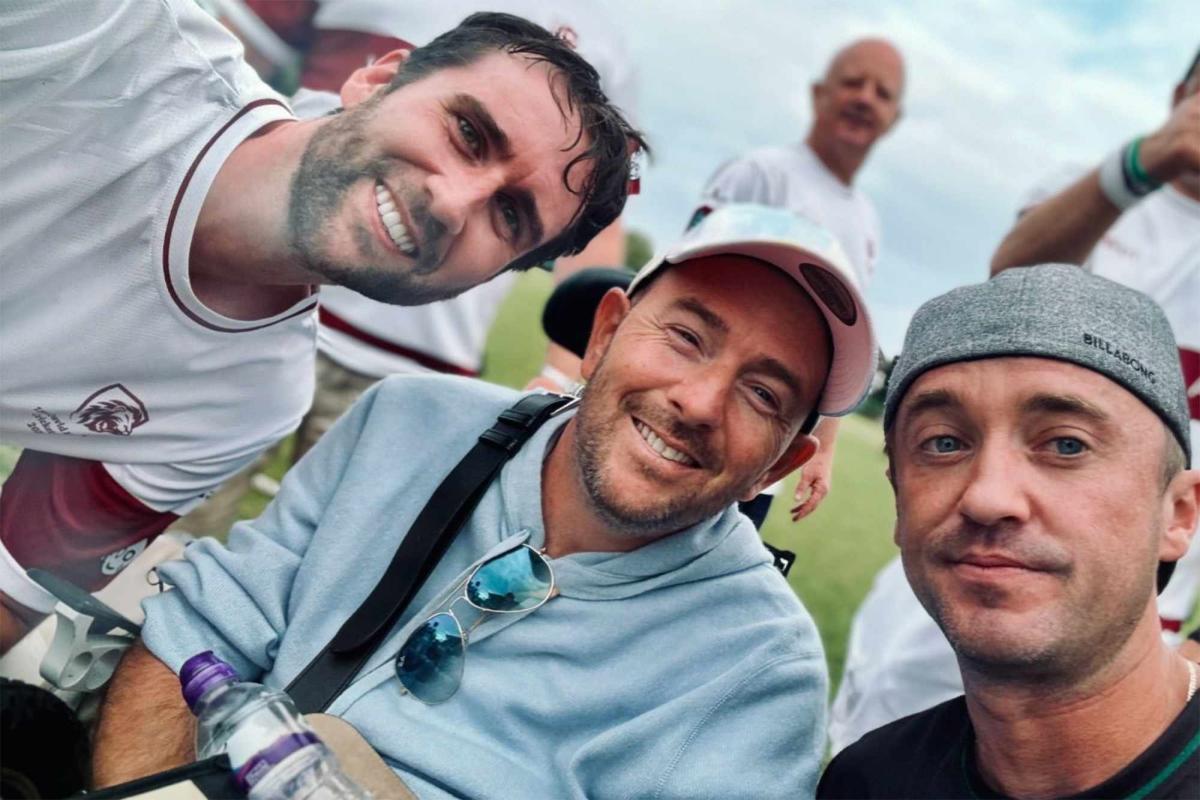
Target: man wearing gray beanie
x,y
1037,436
1135,219
897,661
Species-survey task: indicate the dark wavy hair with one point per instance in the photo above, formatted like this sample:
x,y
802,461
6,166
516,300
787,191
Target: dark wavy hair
x,y
612,141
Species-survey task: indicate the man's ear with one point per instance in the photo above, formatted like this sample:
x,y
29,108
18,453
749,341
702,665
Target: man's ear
x,y
613,308
365,81
814,94
1181,511
802,448
1180,93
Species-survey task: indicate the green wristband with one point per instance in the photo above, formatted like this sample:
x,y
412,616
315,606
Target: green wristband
x,y
1134,164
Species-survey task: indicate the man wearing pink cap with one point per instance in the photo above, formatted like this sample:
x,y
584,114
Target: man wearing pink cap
x,y
671,659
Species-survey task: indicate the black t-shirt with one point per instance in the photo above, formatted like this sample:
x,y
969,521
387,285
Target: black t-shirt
x,y
932,755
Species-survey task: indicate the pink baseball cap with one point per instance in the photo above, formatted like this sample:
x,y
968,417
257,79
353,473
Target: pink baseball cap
x,y
812,257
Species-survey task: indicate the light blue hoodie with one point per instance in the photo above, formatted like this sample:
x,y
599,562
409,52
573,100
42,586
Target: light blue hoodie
x,y
686,668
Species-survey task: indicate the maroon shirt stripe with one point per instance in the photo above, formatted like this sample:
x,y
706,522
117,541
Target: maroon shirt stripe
x,y
333,321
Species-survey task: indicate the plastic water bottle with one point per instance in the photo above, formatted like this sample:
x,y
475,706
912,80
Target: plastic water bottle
x,y
273,752
297,766
233,716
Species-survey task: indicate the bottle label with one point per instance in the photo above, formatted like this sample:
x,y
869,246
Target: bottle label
x,y
262,763
252,735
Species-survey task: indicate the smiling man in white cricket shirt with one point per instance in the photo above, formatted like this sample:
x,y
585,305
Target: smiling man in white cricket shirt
x,y
165,223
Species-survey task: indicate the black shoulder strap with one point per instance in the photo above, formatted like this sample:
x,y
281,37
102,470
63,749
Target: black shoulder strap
x,y
435,527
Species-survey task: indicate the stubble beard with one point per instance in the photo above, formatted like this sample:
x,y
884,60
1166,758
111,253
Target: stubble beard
x,y
1061,646
335,160
593,442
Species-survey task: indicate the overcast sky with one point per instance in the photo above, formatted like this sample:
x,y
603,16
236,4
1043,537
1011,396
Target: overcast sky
x,y
1000,94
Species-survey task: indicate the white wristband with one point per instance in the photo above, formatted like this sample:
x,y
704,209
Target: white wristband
x,y
1112,181
559,379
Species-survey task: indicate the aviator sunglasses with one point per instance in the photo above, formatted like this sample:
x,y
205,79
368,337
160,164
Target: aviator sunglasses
x,y
430,662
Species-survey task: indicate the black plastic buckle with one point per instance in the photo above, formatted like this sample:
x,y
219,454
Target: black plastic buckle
x,y
513,426
505,440
519,418
784,559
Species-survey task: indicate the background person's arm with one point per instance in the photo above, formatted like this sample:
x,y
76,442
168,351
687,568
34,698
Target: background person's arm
x,y
1067,226
737,181
1063,228
816,476
143,690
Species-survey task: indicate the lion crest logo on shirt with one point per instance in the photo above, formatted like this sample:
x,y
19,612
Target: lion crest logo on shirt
x,y
113,409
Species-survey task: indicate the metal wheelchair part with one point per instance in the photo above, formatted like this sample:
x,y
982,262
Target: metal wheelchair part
x,y
89,638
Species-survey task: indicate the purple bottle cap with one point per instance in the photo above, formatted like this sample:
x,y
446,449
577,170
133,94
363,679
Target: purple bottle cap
x,y
202,672
262,762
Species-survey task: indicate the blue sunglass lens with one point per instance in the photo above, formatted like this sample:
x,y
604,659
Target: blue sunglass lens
x,y
515,581
430,664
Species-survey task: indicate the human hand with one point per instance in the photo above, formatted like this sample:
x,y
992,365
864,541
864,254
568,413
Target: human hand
x,y
1173,150
813,485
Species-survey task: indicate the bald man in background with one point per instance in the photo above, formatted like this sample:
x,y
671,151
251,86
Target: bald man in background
x,y
854,104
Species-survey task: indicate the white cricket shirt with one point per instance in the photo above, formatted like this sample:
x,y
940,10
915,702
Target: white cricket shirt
x,y
794,178
115,116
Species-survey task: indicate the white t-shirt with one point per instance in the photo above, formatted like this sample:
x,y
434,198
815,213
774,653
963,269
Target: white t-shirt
x,y
794,178
452,333
898,662
114,120
448,336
